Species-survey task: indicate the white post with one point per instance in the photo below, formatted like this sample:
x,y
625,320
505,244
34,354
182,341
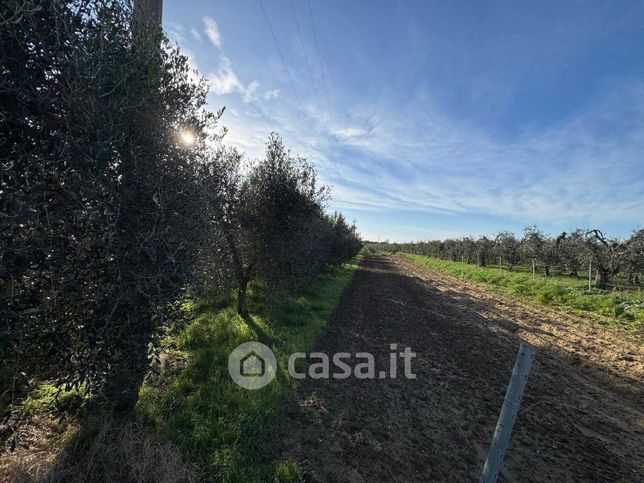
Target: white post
x,y
500,263
508,415
590,274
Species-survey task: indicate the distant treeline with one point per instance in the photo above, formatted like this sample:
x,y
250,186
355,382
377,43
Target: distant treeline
x,y
569,252
117,195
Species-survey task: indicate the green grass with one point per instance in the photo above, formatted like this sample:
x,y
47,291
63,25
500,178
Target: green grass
x,y
224,429
616,308
47,398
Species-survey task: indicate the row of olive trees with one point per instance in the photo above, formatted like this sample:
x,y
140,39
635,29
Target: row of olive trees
x,y
569,252
106,217
267,222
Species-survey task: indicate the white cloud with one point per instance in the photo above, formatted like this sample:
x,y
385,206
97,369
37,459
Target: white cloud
x,y
249,91
195,34
271,94
350,132
212,31
224,81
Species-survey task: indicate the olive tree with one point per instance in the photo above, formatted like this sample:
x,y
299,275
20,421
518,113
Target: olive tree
x,y
540,247
606,255
572,251
484,250
634,256
468,249
270,216
340,241
99,203
508,247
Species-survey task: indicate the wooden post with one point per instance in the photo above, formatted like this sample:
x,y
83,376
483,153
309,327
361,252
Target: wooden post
x,y
508,415
590,274
148,12
533,268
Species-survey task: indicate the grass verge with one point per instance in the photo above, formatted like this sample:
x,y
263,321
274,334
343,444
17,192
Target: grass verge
x,y
221,428
623,309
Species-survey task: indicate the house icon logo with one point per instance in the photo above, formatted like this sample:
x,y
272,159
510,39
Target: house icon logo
x,y
252,365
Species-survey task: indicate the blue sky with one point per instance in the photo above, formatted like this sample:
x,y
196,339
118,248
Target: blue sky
x,y
438,119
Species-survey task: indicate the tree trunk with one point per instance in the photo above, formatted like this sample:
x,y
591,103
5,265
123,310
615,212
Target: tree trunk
x,y
148,12
243,276
546,270
602,278
129,364
126,375
633,278
242,309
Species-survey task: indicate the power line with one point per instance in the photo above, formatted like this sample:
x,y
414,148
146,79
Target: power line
x,y
270,26
317,47
324,83
290,78
308,62
317,95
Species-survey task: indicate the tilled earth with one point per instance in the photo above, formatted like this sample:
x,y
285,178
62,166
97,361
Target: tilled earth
x,y
582,417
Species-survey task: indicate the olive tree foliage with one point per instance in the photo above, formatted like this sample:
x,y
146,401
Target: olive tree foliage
x,y
538,246
468,249
221,176
607,256
484,250
634,256
287,204
343,241
268,222
509,248
99,204
572,252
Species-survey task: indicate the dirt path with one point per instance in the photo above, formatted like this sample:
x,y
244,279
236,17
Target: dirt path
x,y
582,417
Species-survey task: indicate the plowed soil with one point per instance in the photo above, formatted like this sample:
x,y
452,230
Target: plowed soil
x,y
582,417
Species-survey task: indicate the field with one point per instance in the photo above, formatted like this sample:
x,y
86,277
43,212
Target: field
x,y
623,308
582,414
581,417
